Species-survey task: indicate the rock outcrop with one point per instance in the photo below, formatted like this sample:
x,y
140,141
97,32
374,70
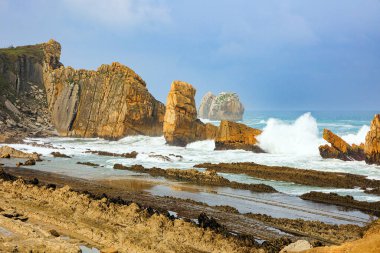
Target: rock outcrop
x,y
111,102
23,105
232,135
370,243
372,142
38,92
9,152
181,125
340,149
225,106
204,108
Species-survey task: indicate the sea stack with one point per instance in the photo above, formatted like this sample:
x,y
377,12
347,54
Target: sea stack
x,y
181,125
372,142
225,106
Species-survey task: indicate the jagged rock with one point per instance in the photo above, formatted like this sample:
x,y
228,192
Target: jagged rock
x,y
232,135
21,77
111,102
372,142
6,151
340,149
181,125
204,108
225,106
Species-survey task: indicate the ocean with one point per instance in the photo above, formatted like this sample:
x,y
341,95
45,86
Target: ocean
x,y
291,138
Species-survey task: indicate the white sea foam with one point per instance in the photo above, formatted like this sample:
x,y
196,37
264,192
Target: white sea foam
x,y
357,138
300,137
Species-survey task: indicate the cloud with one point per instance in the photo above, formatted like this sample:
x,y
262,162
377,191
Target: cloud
x,y
121,13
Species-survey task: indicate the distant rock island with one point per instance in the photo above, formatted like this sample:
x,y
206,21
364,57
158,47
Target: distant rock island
x,y
225,106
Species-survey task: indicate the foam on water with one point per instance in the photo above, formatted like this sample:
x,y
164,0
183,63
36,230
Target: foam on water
x,y
300,137
357,138
292,143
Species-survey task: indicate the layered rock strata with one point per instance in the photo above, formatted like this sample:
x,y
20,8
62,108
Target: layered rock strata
x,y
111,102
339,149
37,89
232,135
225,106
23,105
372,142
181,125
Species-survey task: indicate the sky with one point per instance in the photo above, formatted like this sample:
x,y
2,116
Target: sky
x,y
275,54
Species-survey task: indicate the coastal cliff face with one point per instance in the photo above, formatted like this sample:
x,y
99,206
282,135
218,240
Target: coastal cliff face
x,y
111,102
232,135
372,142
340,149
23,104
181,125
225,106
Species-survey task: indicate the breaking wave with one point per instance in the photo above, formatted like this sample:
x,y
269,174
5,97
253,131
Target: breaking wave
x,y
300,137
357,138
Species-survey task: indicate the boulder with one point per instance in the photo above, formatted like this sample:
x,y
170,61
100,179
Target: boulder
x,y
225,106
9,152
181,125
340,149
204,108
232,135
298,246
372,142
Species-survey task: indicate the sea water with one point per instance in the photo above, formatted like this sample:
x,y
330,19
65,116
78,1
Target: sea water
x,y
289,138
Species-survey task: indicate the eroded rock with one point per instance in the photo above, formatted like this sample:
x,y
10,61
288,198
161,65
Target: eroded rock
x,y
225,106
111,102
181,125
340,149
232,135
9,152
372,142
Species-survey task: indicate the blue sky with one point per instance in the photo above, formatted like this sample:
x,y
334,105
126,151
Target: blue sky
x,y
276,54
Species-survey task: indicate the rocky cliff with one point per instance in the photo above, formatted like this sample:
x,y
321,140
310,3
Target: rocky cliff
x,y
23,102
340,149
111,102
225,106
181,125
372,142
232,135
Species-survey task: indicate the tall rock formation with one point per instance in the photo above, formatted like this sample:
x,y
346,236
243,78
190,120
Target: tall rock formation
x,y
232,135
111,102
225,106
204,108
181,125
340,149
372,142
23,104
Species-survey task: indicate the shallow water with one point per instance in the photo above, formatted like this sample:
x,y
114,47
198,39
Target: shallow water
x,y
291,139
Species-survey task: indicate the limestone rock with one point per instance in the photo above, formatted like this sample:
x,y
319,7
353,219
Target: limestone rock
x,y
298,246
6,151
204,108
340,149
372,142
225,106
232,135
111,102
